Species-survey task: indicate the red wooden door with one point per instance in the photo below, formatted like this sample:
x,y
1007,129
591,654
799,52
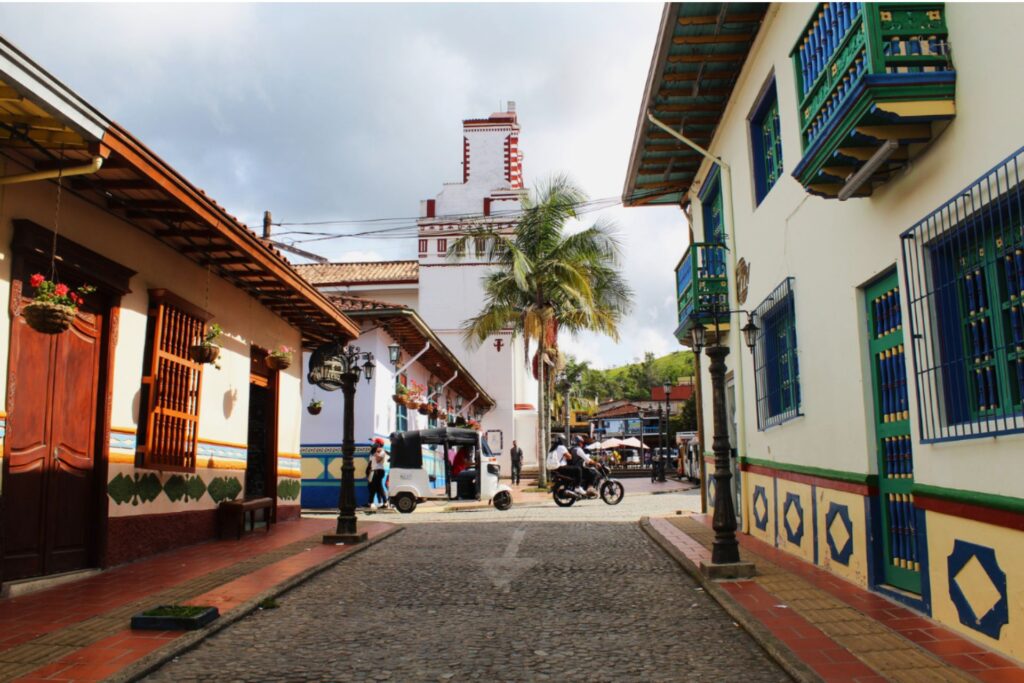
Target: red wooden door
x,y
49,488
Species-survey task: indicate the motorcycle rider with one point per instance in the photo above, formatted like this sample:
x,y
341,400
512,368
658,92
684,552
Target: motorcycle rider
x,y
571,465
586,466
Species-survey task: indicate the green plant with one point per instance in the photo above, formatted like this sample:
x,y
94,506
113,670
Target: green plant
x,y
185,611
282,351
316,403
213,333
268,603
51,292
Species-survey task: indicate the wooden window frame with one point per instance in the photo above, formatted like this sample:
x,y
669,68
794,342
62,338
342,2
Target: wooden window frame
x,y
169,406
424,246
442,246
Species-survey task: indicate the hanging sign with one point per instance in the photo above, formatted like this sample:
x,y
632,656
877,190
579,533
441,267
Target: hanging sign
x,y
326,367
742,281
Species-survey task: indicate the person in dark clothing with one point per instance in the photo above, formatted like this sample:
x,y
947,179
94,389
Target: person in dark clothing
x,y
517,462
588,475
376,467
573,467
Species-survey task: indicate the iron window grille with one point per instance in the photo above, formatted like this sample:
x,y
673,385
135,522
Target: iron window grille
x,y
766,143
776,367
401,411
964,267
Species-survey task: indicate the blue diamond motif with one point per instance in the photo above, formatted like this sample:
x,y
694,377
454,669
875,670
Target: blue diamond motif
x,y
795,536
992,621
760,508
839,554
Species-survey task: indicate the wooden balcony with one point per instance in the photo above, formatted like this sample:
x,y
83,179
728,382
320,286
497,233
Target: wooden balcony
x,y
701,287
876,84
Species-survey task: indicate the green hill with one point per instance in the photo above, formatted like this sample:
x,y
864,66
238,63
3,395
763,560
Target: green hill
x,y
633,381
677,364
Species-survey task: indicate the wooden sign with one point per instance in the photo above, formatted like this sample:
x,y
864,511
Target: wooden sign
x,y
742,281
326,366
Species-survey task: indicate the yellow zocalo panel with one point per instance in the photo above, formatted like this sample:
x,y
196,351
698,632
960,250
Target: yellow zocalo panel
x,y
759,491
977,580
794,507
842,535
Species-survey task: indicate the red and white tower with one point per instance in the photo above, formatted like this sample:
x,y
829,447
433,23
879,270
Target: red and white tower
x,y
451,289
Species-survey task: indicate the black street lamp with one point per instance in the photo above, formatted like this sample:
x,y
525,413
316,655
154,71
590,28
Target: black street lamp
x,y
725,549
352,363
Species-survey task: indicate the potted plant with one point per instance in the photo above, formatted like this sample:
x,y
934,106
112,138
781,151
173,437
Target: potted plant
x,y
473,424
401,392
280,358
315,406
175,618
206,351
415,395
429,408
460,421
55,305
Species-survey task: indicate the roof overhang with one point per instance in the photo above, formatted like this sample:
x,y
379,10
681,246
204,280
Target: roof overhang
x,y
412,333
45,126
700,51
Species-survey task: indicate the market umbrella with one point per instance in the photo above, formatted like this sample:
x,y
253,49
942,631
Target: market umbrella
x,y
633,442
610,443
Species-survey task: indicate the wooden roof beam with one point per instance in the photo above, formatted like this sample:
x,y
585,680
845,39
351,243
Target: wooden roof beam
x,y
98,182
714,39
734,19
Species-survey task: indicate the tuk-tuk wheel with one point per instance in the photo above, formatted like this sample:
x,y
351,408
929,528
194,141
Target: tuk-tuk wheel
x,y
404,502
502,500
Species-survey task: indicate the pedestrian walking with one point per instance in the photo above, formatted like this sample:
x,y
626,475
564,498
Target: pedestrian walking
x,y
517,463
377,474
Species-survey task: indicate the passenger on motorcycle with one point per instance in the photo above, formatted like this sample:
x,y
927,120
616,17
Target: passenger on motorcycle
x,y
589,476
567,464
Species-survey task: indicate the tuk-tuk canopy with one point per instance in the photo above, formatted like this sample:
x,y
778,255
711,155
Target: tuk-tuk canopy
x,y
407,447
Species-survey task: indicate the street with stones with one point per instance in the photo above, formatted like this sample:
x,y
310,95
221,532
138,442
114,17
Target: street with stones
x,y
523,599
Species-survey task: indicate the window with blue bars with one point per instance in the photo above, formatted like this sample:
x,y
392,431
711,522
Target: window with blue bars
x,y
766,142
776,368
714,222
964,267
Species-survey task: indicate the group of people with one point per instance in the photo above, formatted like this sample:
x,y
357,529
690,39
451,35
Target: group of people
x,y
574,463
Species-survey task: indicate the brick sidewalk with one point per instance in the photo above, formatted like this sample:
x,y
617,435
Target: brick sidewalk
x,y
825,628
79,631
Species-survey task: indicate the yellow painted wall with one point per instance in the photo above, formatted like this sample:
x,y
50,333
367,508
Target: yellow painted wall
x,y
856,567
1008,544
805,548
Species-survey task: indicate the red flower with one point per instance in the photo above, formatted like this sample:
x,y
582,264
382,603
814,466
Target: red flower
x,y
77,299
60,290
37,280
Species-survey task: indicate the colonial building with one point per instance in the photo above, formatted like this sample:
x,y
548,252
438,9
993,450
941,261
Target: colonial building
x,y
865,206
445,291
117,443
425,370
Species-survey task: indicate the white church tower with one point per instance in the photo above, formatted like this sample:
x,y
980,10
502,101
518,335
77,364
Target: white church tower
x,y
451,291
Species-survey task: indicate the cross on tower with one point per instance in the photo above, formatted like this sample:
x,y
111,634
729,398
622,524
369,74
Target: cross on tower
x,y
498,343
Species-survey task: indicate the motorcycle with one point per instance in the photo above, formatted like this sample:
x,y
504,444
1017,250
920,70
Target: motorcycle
x,y
608,489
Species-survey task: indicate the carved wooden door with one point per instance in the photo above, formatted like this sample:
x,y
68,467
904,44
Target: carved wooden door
x,y
49,488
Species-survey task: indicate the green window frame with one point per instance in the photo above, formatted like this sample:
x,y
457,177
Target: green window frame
x,y
776,365
401,411
766,142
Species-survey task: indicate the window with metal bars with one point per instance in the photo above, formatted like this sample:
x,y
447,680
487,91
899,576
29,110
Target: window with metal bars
x,y
401,411
776,368
171,384
964,269
766,142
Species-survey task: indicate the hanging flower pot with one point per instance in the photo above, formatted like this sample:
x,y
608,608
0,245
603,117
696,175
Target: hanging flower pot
x,y
315,406
280,358
49,318
204,353
424,409
398,398
55,305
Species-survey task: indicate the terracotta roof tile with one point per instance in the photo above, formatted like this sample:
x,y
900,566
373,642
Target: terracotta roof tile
x,y
355,303
353,273
617,411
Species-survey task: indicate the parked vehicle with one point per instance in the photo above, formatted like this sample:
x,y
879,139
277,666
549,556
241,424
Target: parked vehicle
x,y
409,484
610,490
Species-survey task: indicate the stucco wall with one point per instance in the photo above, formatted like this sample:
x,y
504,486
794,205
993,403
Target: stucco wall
x,y
832,249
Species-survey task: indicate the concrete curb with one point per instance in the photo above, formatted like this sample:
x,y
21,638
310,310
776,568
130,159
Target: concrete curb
x,y
155,660
775,648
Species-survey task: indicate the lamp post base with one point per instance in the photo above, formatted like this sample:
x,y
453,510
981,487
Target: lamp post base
x,y
732,570
347,539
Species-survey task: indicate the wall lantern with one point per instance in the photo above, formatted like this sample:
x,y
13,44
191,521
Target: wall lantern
x,y
394,352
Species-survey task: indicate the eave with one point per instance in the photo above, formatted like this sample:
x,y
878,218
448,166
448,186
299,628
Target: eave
x,y
699,54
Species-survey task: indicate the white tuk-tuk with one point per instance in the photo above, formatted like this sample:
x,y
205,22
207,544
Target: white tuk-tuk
x,y
409,483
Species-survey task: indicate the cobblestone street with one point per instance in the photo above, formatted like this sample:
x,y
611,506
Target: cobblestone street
x,y
518,600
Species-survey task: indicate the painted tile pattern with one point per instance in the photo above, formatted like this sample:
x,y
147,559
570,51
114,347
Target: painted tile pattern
x,y
977,587
839,532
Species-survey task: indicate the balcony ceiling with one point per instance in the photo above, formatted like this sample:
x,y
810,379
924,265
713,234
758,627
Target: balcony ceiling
x,y
700,52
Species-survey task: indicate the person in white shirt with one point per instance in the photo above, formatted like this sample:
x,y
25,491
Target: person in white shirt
x,y
377,457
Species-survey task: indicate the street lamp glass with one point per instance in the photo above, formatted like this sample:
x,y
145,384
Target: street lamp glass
x,y
667,386
394,351
368,368
458,403
698,338
750,331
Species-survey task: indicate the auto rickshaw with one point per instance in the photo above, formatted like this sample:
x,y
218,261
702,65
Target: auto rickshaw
x,y
477,477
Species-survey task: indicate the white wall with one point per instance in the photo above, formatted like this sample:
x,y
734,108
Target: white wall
x,y
834,248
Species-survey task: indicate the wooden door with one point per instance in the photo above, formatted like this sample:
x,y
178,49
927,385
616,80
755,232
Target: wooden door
x,y
49,484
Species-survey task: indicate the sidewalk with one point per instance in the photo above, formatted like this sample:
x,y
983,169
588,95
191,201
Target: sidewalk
x,y
80,630
820,627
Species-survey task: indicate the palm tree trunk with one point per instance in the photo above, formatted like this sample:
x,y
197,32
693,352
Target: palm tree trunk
x,y
542,473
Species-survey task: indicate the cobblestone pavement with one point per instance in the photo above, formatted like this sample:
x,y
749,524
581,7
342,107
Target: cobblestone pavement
x,y
521,600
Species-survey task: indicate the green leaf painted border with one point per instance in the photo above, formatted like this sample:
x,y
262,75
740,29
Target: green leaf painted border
x,y
988,500
837,475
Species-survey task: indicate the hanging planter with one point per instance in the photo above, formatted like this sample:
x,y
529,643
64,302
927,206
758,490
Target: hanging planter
x,y
424,409
315,406
280,358
55,305
206,351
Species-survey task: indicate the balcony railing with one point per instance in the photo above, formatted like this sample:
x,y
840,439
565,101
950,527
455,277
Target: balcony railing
x,y
867,74
701,285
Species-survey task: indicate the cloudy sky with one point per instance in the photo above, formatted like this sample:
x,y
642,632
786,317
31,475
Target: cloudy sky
x,y
324,112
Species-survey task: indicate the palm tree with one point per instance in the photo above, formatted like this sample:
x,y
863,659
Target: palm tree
x,y
546,280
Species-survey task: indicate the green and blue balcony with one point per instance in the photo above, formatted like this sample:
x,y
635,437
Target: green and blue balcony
x,y
875,83
701,287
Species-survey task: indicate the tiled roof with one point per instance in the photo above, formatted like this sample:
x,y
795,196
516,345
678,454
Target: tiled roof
x,y
679,392
618,411
363,272
355,303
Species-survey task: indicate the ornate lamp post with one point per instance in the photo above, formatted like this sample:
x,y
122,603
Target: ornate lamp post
x,y
725,552
332,367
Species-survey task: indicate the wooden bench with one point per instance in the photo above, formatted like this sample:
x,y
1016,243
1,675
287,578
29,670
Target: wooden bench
x,y
233,512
